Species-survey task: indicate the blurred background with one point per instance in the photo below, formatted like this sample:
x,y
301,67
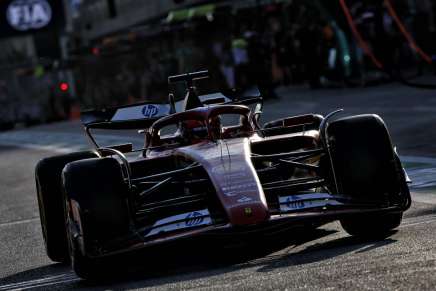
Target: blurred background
x,y
61,56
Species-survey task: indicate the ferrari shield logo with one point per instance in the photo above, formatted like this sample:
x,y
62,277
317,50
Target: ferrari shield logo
x,y
248,211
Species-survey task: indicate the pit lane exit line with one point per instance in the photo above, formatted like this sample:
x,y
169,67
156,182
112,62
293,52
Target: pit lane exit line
x,y
24,221
41,282
418,160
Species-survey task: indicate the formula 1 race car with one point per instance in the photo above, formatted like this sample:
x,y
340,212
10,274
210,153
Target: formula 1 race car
x,y
209,167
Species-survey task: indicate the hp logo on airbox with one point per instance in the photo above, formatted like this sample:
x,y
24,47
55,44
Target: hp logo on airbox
x,y
150,111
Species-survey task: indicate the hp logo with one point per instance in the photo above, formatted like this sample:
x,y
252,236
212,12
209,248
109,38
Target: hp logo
x,y
150,111
194,218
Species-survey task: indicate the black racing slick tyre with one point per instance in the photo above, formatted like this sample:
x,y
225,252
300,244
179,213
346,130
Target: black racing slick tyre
x,y
372,225
50,201
367,169
97,211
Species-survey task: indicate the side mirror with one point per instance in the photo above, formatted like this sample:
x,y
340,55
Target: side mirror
x,y
255,115
258,109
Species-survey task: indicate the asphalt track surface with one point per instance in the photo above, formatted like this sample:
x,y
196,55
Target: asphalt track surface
x,y
325,258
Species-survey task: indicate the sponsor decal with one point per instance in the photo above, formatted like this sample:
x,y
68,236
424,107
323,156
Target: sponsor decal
x,y
236,168
244,199
24,15
194,218
306,201
181,221
141,111
290,203
150,111
237,189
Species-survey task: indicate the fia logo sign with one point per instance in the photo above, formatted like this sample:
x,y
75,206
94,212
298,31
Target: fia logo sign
x,y
29,14
150,111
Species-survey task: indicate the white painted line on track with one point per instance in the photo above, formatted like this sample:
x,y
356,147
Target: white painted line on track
x,y
24,221
416,159
427,198
416,223
50,148
42,282
62,142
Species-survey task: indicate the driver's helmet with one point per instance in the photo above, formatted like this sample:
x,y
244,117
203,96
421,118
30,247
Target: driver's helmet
x,y
193,131
215,127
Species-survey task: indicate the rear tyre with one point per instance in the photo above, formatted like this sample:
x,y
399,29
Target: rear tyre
x,y
97,211
50,201
368,170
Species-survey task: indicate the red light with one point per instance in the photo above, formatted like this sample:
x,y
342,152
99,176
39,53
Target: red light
x,y
95,51
64,87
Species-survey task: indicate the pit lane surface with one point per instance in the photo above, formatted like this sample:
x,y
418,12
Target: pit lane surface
x,y
325,258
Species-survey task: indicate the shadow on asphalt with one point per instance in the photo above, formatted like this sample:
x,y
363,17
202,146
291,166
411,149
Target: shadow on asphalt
x,y
323,251
201,259
6,148
428,210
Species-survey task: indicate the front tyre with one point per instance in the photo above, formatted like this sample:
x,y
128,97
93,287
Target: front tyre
x,y
368,170
372,225
83,266
50,201
96,211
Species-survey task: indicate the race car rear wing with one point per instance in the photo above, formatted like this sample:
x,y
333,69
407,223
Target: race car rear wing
x,y
135,116
143,115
